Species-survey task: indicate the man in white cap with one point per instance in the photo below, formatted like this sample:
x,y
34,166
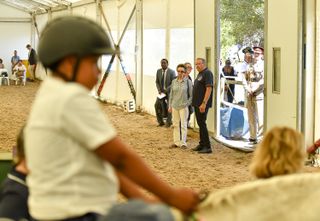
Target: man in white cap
x,y
252,80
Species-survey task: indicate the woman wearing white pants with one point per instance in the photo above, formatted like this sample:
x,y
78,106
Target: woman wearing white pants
x,y
180,99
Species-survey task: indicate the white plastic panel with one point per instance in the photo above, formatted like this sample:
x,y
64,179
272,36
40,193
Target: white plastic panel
x,y
14,35
283,32
317,77
204,38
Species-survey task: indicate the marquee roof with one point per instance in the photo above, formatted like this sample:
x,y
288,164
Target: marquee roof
x,y
42,6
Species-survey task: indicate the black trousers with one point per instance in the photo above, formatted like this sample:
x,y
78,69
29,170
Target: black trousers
x,y
230,93
161,108
201,121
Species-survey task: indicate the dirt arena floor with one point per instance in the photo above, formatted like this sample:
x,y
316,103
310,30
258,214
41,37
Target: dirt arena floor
x,y
225,167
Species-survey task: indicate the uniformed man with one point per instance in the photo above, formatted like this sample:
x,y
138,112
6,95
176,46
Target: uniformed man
x,y
252,78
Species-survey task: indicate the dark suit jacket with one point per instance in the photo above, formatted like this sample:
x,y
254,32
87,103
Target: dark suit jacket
x,y
32,57
167,82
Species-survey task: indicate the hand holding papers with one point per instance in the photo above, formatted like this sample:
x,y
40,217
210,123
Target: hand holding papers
x,y
161,96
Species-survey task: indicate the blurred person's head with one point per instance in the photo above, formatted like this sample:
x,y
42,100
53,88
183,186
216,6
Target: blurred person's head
x,y
281,152
258,53
200,64
248,52
228,62
188,67
181,70
164,63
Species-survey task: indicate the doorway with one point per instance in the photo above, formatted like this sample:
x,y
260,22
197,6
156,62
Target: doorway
x,y
240,84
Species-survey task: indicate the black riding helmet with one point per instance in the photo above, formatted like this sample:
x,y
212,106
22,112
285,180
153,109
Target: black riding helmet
x,y
72,35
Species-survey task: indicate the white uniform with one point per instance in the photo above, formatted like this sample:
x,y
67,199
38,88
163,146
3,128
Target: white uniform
x,y
253,82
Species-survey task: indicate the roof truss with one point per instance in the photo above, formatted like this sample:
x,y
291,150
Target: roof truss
x,y
38,6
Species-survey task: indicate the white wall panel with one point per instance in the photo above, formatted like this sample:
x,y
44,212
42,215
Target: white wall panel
x,y
56,14
8,12
181,14
309,75
14,35
204,38
88,11
283,32
164,38
116,87
317,77
154,14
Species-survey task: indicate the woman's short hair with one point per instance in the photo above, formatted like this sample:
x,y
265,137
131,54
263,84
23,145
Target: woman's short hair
x,y
182,66
280,152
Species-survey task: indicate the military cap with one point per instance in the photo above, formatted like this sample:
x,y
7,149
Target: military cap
x,y
247,50
258,49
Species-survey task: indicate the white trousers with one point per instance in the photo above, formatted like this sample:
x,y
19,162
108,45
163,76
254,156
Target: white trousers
x,y
180,116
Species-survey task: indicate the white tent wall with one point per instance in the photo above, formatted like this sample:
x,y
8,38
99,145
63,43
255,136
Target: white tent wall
x,y
317,77
88,10
284,52
110,88
309,74
117,13
15,29
205,44
41,21
168,33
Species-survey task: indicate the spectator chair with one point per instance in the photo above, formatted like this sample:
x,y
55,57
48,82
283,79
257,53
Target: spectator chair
x,y
4,76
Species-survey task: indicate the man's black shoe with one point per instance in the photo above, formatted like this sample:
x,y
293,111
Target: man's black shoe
x,y
197,148
253,141
205,150
160,124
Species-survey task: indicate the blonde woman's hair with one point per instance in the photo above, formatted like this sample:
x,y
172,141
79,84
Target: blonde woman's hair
x,y
280,152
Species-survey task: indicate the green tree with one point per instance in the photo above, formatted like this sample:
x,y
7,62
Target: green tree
x,y
241,22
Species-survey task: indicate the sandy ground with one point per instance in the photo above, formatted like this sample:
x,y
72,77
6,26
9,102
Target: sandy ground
x,y
225,167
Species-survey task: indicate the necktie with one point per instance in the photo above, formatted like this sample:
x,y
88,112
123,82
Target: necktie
x,y
162,80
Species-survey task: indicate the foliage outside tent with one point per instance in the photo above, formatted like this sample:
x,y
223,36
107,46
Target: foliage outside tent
x,y
241,23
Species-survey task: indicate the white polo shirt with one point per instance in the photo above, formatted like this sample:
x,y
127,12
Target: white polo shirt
x,y
67,179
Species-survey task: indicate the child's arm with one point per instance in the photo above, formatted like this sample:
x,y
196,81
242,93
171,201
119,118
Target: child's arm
x,y
130,164
132,191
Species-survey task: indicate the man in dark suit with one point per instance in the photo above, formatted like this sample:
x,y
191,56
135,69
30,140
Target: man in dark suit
x,y
164,78
32,59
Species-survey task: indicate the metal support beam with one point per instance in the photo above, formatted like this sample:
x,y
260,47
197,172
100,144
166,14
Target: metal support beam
x,y
34,21
15,20
139,54
167,28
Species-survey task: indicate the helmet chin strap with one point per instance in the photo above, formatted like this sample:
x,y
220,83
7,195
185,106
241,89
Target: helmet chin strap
x,y
75,70
74,74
